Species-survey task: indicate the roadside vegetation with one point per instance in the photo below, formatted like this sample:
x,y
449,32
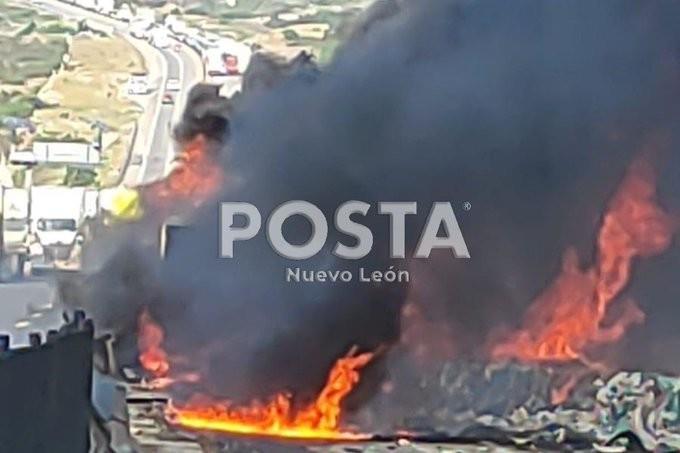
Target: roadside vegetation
x,y
285,27
86,98
64,83
32,46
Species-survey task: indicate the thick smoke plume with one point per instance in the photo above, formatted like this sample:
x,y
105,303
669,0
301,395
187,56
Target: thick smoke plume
x,y
531,111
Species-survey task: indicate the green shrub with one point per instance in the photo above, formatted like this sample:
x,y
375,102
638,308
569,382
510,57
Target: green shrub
x,y
26,29
80,177
290,35
59,28
18,106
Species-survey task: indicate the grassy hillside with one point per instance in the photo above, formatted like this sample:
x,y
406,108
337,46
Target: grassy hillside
x,y
32,46
282,26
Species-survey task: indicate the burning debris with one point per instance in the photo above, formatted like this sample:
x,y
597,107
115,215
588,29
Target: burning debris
x,y
278,417
150,342
266,71
195,179
532,117
318,420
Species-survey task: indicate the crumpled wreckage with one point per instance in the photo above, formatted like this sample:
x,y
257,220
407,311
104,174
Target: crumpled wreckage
x,y
631,411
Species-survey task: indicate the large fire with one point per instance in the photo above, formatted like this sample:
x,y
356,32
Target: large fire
x,y
318,420
197,176
570,315
565,320
195,179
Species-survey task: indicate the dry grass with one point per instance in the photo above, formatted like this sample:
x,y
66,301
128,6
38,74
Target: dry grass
x,y
317,31
88,89
32,44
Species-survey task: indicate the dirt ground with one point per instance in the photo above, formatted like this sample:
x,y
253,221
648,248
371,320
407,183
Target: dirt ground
x,y
90,88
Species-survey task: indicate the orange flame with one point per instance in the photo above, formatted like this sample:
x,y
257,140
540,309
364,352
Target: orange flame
x,y
149,341
568,316
196,178
319,420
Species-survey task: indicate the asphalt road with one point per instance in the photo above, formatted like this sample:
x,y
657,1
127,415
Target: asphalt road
x,y
28,307
180,66
161,144
32,306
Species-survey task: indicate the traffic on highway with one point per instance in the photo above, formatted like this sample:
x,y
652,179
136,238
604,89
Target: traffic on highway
x,y
34,242
365,226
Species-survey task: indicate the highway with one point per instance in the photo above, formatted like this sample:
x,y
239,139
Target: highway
x,y
154,142
26,307
184,66
32,306
161,144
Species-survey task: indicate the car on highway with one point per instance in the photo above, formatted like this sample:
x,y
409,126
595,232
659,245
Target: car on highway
x,y
124,13
159,38
178,47
136,159
140,27
168,99
173,84
138,83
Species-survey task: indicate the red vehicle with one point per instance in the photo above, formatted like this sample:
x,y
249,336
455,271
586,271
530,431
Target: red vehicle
x,y
230,64
219,63
168,99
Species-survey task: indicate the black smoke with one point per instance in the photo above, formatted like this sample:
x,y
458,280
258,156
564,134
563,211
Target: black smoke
x,y
530,111
265,71
205,113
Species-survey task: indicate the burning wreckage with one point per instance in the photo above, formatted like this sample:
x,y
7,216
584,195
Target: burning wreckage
x,y
556,122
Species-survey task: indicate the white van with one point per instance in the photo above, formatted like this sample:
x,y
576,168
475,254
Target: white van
x,y
173,84
138,83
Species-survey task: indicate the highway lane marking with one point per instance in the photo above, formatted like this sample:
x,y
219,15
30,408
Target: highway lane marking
x,y
157,114
178,109
22,324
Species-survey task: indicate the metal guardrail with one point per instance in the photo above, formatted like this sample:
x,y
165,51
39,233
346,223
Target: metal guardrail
x,y
128,156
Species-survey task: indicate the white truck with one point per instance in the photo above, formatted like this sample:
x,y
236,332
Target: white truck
x,y
123,13
175,24
14,233
224,59
139,27
87,4
106,7
138,83
57,215
159,37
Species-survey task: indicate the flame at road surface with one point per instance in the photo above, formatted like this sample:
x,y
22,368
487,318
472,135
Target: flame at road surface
x,y
318,420
568,316
152,355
